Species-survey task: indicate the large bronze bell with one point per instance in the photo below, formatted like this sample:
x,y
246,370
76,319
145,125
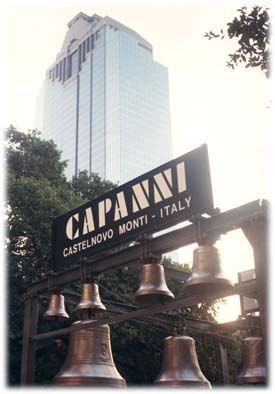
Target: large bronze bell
x,y
90,300
207,274
89,360
180,366
56,308
253,366
153,288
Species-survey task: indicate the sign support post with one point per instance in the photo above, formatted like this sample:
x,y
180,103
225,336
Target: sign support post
x,y
28,360
224,363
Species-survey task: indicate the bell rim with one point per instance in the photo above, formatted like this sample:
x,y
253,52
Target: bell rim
x,y
89,381
154,292
144,298
208,280
251,379
90,305
182,383
50,315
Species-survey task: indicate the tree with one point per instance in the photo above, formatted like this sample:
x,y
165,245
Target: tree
x,y
37,192
252,28
88,187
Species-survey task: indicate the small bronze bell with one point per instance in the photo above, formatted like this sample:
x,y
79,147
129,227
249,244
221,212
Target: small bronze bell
x,y
89,360
90,300
253,366
180,366
153,288
56,308
207,274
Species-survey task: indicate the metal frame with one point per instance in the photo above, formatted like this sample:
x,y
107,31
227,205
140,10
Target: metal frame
x,y
251,218
245,310
29,347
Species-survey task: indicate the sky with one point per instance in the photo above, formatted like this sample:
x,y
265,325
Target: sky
x,y
210,103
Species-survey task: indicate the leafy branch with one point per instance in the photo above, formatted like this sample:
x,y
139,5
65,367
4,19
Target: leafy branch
x,y
253,32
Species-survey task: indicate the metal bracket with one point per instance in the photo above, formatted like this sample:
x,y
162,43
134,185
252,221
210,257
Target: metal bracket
x,y
85,276
144,253
180,327
202,237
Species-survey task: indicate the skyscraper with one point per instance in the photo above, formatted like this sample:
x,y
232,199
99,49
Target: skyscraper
x,y
105,101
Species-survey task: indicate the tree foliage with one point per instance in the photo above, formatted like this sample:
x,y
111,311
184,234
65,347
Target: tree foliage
x,y
88,187
37,192
32,157
252,29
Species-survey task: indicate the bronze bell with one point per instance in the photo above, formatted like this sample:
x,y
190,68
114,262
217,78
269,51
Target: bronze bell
x,y
153,288
56,308
253,366
89,360
207,274
180,366
90,301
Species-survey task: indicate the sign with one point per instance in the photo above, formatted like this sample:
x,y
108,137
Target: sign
x,y
151,202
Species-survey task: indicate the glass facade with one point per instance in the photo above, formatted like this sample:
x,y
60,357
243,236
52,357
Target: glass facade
x,y
106,104
84,110
98,106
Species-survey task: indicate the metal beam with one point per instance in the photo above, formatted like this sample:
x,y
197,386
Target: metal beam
x,y
256,232
181,302
220,223
224,363
176,273
240,324
162,318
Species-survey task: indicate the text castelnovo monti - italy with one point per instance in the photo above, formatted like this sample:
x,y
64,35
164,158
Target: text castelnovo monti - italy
x,y
93,219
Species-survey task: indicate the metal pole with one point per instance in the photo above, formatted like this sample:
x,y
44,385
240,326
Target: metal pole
x,y
224,364
256,233
28,360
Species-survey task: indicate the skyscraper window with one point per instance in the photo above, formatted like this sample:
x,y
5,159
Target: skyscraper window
x,y
88,44
72,66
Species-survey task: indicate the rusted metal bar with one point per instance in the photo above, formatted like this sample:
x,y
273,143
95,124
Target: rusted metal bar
x,y
28,360
220,223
